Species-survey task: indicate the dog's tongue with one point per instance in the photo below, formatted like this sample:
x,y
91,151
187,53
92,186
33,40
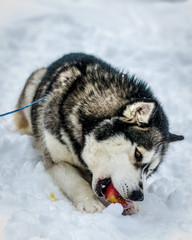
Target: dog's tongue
x,y
127,204
113,196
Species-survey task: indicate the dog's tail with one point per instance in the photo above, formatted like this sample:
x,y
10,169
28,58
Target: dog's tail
x,y
22,118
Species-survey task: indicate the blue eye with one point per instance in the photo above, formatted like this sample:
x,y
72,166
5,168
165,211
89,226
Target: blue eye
x,y
138,155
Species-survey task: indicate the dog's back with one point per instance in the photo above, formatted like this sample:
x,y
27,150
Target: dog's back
x,y
74,75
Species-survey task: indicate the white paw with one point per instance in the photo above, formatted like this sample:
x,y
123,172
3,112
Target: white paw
x,y
89,205
134,209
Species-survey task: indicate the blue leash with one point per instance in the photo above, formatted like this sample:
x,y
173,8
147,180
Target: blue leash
x,y
19,109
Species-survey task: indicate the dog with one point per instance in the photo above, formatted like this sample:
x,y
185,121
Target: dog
x,y
96,126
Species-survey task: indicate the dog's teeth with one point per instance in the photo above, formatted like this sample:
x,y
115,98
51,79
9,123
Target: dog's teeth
x,y
103,186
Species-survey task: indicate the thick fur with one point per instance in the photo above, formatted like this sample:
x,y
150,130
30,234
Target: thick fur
x,y
90,127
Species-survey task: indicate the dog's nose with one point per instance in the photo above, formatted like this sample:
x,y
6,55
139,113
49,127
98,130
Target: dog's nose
x,y
137,195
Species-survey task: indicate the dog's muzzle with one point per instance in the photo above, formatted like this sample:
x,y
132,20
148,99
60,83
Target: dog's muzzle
x,y
102,185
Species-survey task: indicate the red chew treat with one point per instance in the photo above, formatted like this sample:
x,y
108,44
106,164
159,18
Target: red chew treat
x,y
113,196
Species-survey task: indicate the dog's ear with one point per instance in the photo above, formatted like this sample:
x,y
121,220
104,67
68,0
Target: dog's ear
x,y
174,137
139,112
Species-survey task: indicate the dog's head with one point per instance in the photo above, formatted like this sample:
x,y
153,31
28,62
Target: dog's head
x,y
125,148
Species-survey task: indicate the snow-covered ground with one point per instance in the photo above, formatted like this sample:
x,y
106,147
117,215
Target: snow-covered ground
x,y
152,39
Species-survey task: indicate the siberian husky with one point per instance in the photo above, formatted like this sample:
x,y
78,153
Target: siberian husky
x,y
97,125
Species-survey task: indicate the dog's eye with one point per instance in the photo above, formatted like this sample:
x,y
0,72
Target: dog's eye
x,y
138,155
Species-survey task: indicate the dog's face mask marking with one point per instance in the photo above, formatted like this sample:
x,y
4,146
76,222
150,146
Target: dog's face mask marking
x,y
121,151
118,159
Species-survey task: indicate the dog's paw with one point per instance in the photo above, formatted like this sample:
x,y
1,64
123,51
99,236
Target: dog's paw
x,y
132,210
89,205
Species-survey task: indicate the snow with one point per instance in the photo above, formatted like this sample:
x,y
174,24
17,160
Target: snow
x,y
149,38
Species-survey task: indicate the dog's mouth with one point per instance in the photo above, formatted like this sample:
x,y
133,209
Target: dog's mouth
x,y
105,188
102,186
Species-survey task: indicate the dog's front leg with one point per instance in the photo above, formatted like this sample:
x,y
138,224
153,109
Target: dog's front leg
x,y
76,188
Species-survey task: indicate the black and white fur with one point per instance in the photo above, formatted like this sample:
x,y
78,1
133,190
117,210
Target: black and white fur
x,y
97,125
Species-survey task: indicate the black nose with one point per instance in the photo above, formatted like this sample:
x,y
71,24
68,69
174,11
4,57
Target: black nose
x,y
137,196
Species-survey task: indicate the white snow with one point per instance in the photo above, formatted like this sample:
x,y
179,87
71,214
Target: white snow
x,y
152,39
